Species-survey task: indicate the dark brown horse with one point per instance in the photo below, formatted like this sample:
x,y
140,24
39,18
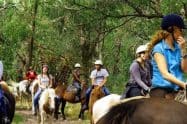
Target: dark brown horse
x,y
96,94
10,101
67,96
146,111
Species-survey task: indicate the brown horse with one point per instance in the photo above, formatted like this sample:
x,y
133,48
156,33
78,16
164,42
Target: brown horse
x,y
146,111
96,94
10,100
69,96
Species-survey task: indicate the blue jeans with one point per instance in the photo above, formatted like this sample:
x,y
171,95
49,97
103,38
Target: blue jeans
x,y
36,97
89,90
77,84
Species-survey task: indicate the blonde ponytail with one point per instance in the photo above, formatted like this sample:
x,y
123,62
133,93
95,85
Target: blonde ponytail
x,y
159,35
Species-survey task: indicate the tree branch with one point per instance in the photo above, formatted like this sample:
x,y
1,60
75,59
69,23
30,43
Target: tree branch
x,y
9,5
137,9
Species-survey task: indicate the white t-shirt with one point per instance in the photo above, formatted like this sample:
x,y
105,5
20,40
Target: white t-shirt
x,y
1,70
45,81
99,75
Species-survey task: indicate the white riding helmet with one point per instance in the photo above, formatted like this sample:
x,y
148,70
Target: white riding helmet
x,y
141,48
98,62
77,65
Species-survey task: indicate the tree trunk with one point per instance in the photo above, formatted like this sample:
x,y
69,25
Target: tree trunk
x,y
30,47
116,69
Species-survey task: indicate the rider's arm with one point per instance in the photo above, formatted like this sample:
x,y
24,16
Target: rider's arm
x,y
93,81
92,76
161,62
75,75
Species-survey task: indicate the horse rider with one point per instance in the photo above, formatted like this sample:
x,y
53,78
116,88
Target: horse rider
x,y
169,57
98,78
30,76
44,81
77,80
3,104
140,75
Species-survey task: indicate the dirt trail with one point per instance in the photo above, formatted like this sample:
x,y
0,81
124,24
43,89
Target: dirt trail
x,y
30,119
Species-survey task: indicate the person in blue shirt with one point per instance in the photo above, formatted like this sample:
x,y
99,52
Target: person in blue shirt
x,y
169,57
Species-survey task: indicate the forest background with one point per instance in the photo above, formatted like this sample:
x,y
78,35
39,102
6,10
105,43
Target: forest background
x,y
64,32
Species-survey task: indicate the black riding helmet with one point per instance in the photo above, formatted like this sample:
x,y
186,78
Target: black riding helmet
x,y
172,20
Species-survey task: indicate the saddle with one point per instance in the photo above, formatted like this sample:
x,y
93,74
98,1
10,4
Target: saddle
x,y
181,97
72,88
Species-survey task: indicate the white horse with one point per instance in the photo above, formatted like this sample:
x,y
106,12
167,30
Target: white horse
x,y
13,86
103,105
34,88
46,104
27,95
24,95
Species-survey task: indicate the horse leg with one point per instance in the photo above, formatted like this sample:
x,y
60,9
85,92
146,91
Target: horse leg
x,y
21,99
33,108
62,109
81,113
42,115
57,104
28,101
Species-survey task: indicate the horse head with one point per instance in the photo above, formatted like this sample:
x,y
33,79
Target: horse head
x,y
97,92
47,101
52,98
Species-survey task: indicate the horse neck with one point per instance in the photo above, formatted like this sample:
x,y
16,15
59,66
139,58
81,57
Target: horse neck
x,y
98,93
60,89
46,96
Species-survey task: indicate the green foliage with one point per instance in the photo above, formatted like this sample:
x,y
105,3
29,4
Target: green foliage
x,y
71,31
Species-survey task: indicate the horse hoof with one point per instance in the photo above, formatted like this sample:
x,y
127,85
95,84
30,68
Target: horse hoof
x,y
80,119
56,116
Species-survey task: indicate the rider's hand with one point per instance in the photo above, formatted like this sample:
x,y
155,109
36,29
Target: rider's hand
x,y
181,41
145,92
100,85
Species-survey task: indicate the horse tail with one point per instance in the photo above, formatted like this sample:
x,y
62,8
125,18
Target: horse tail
x,y
11,104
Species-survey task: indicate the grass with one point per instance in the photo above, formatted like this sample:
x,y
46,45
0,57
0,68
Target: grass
x,y
18,119
71,112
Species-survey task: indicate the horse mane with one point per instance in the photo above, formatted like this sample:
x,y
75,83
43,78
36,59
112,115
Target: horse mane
x,y
121,112
95,95
44,96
